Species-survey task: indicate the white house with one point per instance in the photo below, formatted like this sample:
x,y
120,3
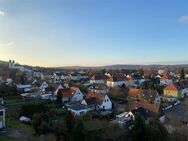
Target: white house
x,y
46,96
78,110
44,85
97,101
98,79
24,88
72,94
116,80
99,88
164,80
60,87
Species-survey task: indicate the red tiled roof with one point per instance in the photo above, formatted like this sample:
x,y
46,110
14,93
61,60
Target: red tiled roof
x,y
69,92
99,97
151,107
171,87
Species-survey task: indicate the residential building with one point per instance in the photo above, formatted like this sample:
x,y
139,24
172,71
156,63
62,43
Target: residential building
x,y
71,94
97,101
99,88
116,80
78,110
176,90
98,78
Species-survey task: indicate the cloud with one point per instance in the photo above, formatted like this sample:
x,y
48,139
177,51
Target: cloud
x,y
183,19
6,44
2,13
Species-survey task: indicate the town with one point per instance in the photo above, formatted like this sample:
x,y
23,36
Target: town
x,y
50,104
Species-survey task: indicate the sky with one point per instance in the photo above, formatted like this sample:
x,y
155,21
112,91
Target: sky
x,y
93,32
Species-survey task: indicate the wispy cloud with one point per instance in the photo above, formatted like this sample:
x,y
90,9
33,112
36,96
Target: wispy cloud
x,y
184,19
2,13
6,44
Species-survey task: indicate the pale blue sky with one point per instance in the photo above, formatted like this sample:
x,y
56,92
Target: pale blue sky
x,y
93,32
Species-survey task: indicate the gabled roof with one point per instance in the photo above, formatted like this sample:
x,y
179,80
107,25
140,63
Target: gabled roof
x,y
177,86
154,107
148,95
171,87
118,77
69,92
99,97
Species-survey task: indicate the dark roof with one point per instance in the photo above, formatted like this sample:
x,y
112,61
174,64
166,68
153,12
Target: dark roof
x,y
91,101
118,77
78,107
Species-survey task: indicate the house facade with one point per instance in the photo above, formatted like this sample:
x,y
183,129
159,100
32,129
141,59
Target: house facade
x,y
99,88
176,90
116,80
98,101
78,110
44,85
71,94
98,79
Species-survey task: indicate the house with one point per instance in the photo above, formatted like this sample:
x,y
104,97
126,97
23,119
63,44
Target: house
x,y
97,101
83,75
71,94
164,79
116,80
99,88
150,96
60,87
75,76
79,109
2,117
147,99
44,85
37,73
56,77
46,96
176,90
126,119
24,88
99,79
138,78
129,81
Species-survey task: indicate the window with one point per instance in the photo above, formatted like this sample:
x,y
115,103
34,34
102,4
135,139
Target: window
x,y
107,100
103,107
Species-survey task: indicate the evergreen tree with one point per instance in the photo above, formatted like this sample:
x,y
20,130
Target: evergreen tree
x,y
139,129
182,74
59,97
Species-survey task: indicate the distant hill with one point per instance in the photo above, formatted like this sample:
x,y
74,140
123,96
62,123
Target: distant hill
x,y
116,66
